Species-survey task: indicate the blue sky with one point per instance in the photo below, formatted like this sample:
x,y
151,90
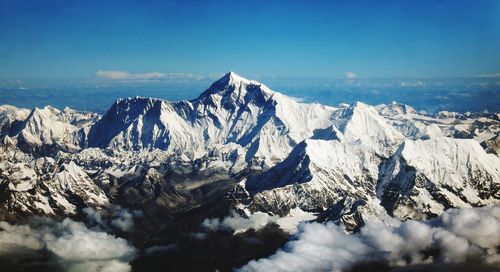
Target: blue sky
x,y
76,39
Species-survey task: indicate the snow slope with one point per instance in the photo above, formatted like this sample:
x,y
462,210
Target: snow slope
x,y
425,177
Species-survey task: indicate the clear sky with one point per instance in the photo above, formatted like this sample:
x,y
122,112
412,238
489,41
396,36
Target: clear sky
x,y
78,38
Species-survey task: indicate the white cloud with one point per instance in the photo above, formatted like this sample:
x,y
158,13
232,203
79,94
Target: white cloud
x,y
113,74
350,75
99,266
215,76
94,216
116,217
239,223
151,76
14,238
417,83
456,236
494,75
124,221
73,240
77,247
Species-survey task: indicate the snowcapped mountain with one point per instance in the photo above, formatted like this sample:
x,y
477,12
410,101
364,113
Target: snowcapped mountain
x,y
257,148
423,178
46,130
233,111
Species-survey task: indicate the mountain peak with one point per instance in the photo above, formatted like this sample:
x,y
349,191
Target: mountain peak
x,y
231,78
232,83
235,77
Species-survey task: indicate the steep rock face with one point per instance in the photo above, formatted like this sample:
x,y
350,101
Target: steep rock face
x,y
353,213
130,123
316,175
492,145
425,177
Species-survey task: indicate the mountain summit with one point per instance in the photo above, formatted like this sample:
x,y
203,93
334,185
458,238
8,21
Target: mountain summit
x,y
235,89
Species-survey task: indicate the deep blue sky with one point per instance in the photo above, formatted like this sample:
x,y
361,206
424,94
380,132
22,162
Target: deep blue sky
x,y
75,39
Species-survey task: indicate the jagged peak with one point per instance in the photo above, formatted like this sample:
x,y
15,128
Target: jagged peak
x,y
231,82
233,77
47,109
46,112
136,99
135,105
397,108
360,120
131,107
349,108
230,78
360,105
346,111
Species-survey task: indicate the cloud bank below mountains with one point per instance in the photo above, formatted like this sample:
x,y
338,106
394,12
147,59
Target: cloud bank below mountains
x,y
73,246
458,235
238,223
115,217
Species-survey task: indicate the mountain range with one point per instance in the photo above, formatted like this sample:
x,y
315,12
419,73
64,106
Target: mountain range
x,y
273,152
256,150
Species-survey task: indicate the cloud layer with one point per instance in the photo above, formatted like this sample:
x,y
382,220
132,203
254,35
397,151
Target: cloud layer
x,y
456,236
115,217
76,247
151,76
239,223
